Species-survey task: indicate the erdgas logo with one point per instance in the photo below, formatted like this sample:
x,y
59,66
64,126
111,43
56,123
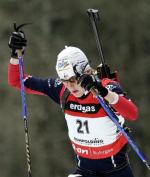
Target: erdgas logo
x,y
84,109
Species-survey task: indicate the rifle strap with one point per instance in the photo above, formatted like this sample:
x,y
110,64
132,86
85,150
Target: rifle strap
x,y
64,97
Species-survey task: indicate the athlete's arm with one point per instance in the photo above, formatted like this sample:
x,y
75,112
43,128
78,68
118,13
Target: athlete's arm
x,y
119,101
50,87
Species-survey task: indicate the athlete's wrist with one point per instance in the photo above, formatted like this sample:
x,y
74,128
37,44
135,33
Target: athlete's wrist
x,y
14,61
112,97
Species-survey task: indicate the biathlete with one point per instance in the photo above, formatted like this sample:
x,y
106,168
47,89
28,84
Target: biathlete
x,y
100,148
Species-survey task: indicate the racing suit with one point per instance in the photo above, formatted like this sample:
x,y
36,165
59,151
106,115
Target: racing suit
x,y
100,148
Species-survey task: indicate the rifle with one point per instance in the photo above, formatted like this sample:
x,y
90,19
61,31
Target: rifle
x,y
105,72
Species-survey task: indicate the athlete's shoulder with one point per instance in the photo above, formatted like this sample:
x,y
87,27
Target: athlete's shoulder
x,y
54,82
112,85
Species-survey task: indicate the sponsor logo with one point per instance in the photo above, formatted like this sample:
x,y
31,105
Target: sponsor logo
x,y
80,150
115,88
111,87
102,152
54,83
57,82
92,142
62,65
82,108
91,151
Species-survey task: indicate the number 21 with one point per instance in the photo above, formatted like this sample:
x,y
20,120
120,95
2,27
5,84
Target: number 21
x,y
82,126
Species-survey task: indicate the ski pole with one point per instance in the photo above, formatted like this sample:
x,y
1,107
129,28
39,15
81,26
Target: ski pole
x,y
24,113
114,118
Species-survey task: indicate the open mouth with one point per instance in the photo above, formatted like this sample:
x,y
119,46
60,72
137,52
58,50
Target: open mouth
x,y
75,91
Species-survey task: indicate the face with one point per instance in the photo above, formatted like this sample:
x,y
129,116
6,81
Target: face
x,y
73,87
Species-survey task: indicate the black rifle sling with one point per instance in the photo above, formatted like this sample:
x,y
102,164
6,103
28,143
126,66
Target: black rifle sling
x,y
64,97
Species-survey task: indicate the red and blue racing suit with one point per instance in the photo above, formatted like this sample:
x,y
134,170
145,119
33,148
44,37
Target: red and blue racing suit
x,y
97,143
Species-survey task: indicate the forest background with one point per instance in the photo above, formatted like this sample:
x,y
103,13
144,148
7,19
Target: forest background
x,y
125,38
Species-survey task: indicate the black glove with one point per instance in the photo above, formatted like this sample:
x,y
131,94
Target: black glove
x,y
17,40
89,82
103,71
